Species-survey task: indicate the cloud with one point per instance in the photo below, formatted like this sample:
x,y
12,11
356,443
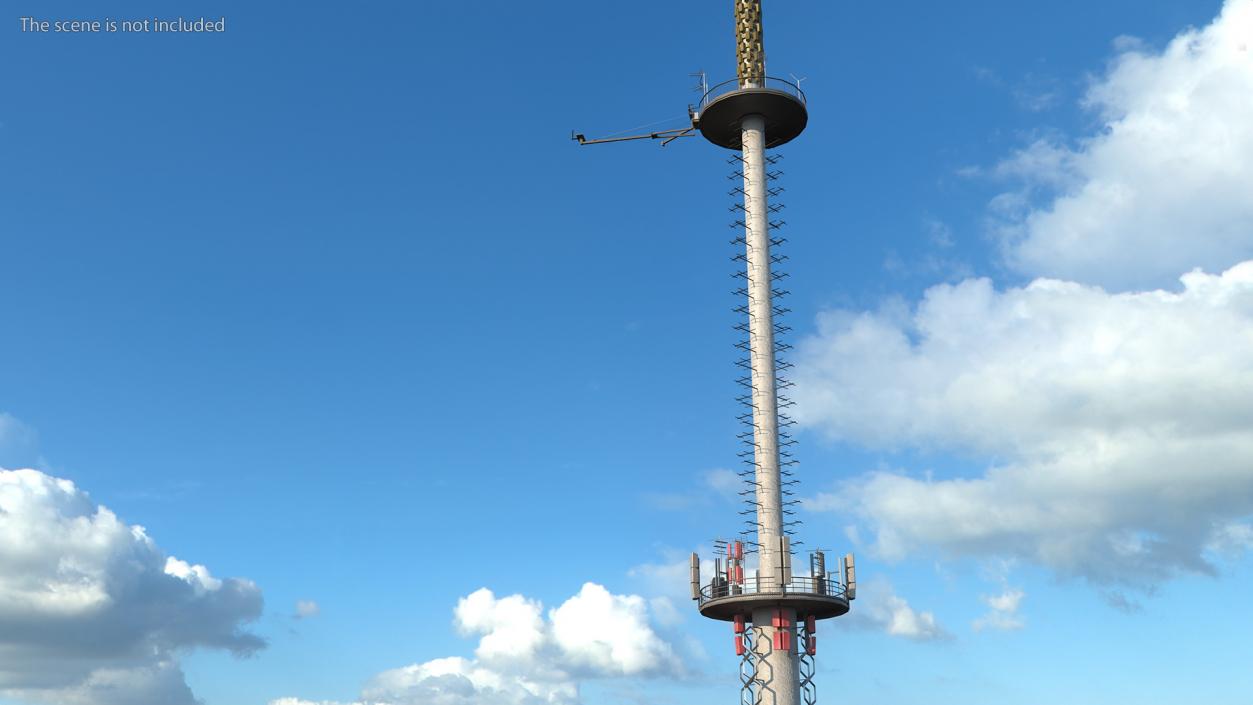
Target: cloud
x,y
1036,93
1033,92
880,609
306,609
664,611
512,628
938,232
727,483
1231,539
1112,428
458,681
718,484
1162,187
1002,611
1119,601
93,612
155,684
671,501
671,578
605,634
525,657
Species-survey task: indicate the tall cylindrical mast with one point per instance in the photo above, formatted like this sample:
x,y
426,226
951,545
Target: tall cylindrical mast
x,y
761,348
783,686
783,683
774,616
750,53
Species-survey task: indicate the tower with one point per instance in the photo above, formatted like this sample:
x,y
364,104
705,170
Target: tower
x,y
774,613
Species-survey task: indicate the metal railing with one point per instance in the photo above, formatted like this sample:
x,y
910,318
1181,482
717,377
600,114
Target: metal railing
x,y
828,586
733,85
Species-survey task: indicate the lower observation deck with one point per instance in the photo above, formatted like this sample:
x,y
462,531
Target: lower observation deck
x,y
822,597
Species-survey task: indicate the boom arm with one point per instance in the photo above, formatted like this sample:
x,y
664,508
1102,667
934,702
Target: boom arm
x,y
667,135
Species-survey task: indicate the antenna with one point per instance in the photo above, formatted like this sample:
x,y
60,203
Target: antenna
x,y
702,87
774,614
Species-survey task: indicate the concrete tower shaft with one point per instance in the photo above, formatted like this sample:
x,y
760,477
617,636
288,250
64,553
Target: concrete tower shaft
x,y
769,494
782,687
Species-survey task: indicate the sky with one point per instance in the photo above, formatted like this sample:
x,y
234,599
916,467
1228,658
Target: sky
x,y
334,373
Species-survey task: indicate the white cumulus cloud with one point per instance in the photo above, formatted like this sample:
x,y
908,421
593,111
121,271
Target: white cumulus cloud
x,y
93,612
459,681
1115,426
879,608
527,657
1163,186
602,633
512,628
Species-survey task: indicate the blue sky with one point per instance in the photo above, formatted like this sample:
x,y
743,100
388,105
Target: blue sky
x,y
330,305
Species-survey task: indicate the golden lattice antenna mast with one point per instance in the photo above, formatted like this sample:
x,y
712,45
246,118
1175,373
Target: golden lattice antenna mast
x,y
750,52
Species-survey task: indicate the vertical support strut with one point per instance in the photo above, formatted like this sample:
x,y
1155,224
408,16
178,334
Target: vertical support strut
x,y
750,686
809,692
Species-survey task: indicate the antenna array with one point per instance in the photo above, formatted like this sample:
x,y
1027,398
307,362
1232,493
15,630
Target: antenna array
x,y
749,453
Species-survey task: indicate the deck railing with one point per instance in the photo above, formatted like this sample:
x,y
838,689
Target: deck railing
x,y
733,85
826,585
